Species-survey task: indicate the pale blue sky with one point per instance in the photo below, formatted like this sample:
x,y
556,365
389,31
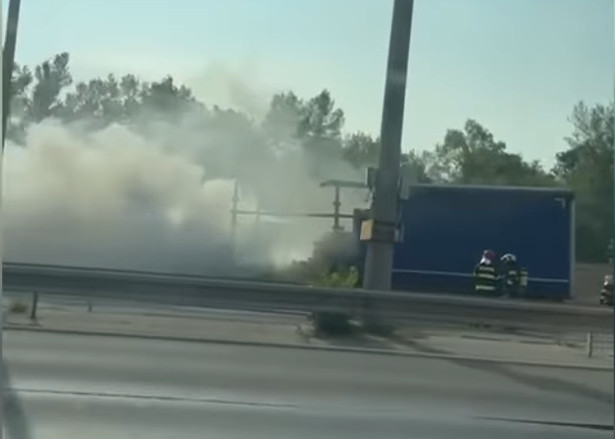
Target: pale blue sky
x,y
517,66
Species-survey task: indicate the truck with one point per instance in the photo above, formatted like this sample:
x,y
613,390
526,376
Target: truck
x,y
443,230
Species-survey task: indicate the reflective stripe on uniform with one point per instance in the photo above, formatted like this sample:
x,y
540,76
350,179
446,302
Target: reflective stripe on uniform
x,y
485,287
486,279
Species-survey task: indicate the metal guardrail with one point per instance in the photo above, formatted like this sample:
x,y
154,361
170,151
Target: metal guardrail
x,y
172,289
595,344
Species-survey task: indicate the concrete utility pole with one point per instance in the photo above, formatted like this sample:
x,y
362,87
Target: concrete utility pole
x,y
336,211
234,213
613,207
8,61
379,259
15,426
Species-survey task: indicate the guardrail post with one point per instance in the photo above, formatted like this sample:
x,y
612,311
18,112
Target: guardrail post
x,y
34,306
589,345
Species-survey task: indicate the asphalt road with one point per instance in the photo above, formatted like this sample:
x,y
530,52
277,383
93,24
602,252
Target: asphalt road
x,y
101,387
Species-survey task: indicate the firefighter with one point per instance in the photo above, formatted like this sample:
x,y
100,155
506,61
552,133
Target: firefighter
x,y
486,275
606,292
523,277
510,275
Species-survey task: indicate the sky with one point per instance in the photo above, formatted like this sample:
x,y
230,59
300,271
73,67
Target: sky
x,y
516,66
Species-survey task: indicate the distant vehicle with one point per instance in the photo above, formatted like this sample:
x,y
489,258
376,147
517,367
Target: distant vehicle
x,y
606,292
444,227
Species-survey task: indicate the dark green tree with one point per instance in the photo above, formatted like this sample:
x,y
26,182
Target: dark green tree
x,y
587,168
21,82
414,167
314,127
281,123
473,156
361,150
51,78
99,100
166,99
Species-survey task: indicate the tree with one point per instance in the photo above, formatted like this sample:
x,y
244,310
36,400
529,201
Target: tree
x,y
233,147
281,124
230,144
103,101
473,156
587,168
315,126
166,99
99,101
130,92
51,77
320,119
21,81
36,96
414,167
320,131
361,150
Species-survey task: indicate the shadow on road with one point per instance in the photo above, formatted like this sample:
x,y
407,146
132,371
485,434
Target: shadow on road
x,y
539,382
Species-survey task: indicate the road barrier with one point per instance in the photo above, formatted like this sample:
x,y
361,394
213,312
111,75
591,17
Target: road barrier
x,y
172,289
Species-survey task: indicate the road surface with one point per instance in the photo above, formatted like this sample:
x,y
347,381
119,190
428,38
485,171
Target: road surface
x,y
101,387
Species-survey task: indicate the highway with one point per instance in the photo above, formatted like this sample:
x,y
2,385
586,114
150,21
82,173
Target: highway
x,y
101,387
195,291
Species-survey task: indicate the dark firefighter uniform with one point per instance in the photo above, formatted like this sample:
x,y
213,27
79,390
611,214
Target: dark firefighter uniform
x,y
486,275
523,277
510,275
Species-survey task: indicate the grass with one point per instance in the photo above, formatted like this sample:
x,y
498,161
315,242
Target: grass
x,y
18,307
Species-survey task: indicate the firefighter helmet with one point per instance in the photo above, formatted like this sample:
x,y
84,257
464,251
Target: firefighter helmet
x,y
489,254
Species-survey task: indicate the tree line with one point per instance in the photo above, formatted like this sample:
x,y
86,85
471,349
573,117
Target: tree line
x,y
467,155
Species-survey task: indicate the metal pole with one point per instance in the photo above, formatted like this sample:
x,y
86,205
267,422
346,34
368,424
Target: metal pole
x,y
235,202
34,306
336,210
379,259
613,180
3,374
8,61
589,344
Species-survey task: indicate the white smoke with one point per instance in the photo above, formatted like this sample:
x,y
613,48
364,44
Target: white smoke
x,y
155,201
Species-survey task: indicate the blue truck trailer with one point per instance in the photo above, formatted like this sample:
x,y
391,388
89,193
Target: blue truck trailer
x,y
445,228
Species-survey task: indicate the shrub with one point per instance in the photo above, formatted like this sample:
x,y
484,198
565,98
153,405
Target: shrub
x,y
331,323
18,307
346,278
334,322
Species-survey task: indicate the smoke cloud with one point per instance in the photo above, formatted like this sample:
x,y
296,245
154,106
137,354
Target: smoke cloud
x,y
157,196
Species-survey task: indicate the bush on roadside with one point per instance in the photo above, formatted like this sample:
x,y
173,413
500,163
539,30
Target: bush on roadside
x,y
331,323
18,307
344,278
